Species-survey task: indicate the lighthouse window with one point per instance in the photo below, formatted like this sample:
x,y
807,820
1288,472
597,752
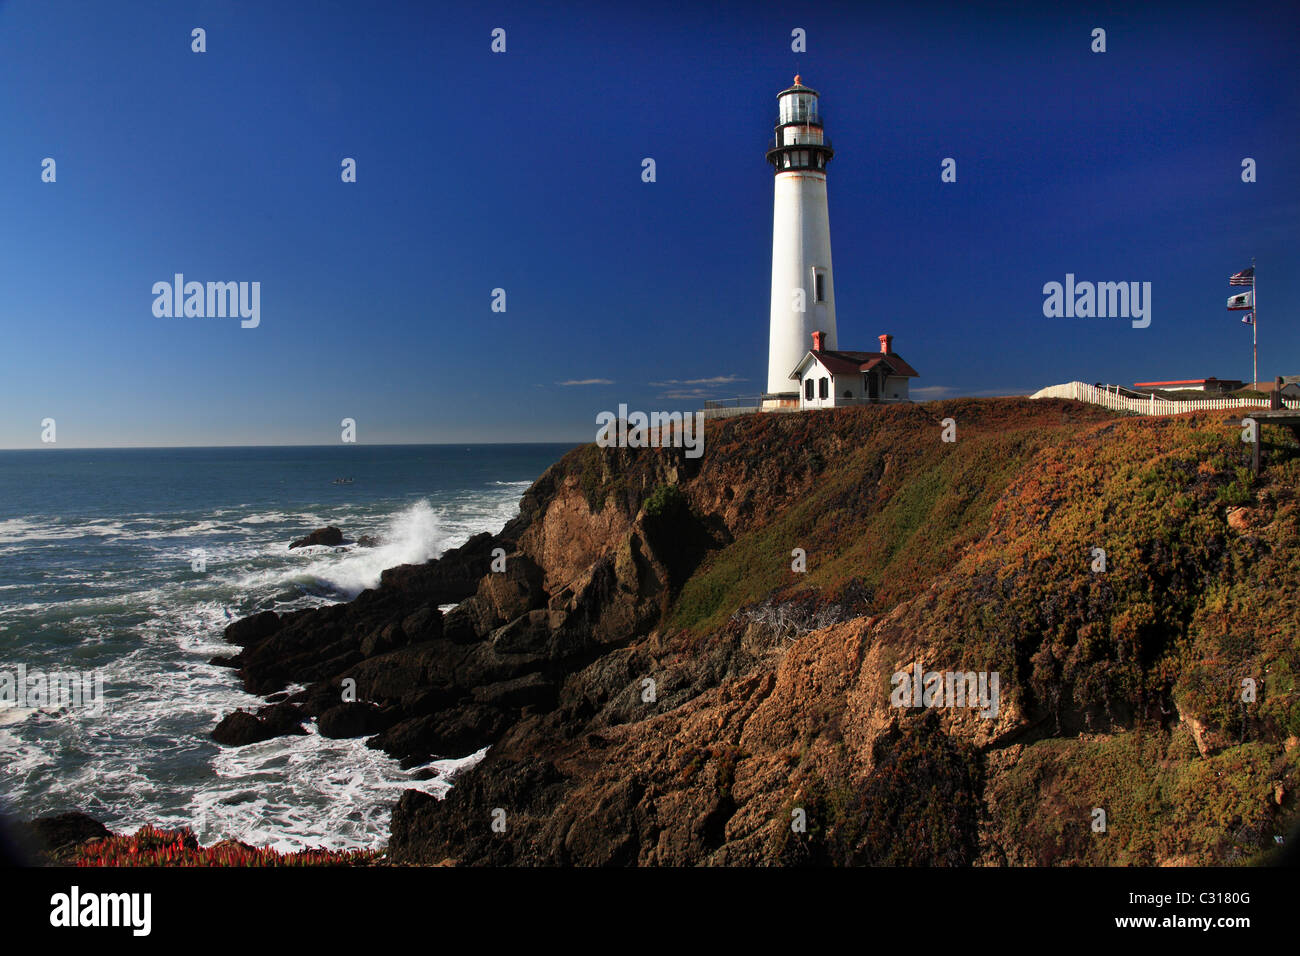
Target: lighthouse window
x,y
819,287
787,160
824,388
803,157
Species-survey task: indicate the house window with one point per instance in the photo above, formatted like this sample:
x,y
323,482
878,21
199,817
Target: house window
x,y
819,286
848,393
808,389
824,388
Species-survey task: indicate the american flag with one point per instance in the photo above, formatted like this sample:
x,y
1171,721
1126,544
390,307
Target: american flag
x,y
1244,277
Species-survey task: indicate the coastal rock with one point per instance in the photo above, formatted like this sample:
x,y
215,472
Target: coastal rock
x,y
526,634
657,686
329,536
531,690
448,579
381,639
455,732
242,728
54,839
250,630
353,720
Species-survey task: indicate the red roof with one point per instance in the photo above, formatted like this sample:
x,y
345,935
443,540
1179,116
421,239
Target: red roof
x,y
842,363
1189,381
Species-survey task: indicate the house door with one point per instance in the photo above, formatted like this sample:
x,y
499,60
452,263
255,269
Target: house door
x,y
873,386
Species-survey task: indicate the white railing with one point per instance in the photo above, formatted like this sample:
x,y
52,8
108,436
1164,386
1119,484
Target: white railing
x,y
1111,397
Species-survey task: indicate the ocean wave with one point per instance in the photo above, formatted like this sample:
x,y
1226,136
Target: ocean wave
x,y
152,625
284,517
292,793
411,537
22,530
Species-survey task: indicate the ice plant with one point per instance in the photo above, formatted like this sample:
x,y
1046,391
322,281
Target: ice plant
x,y
151,846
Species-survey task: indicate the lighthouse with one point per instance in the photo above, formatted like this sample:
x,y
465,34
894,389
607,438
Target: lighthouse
x,y
803,288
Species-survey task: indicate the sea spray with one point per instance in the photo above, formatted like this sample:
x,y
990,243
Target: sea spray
x,y
412,536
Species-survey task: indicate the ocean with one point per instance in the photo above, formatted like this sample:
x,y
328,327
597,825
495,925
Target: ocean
x,y
129,563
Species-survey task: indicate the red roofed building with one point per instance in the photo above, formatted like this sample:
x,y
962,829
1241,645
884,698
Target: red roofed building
x,y
831,378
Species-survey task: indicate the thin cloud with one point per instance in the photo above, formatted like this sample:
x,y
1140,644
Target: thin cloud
x,y
687,394
932,391
587,381
715,380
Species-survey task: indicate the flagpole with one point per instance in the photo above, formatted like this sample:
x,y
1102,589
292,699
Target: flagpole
x,y
1254,324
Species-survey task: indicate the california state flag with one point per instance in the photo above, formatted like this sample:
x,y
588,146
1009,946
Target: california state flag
x,y
1242,300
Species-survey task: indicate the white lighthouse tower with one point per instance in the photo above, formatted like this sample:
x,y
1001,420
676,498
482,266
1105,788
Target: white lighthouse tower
x,y
803,289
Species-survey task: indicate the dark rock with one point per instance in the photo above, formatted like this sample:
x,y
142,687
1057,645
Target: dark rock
x,y
451,578
252,629
458,827
531,690
55,838
453,733
353,720
389,637
330,537
428,700
367,541
526,634
459,625
242,728
424,624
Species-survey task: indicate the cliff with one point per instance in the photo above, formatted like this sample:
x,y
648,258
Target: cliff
x,y
658,685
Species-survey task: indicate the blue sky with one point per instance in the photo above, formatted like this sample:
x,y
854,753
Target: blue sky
x,y
522,171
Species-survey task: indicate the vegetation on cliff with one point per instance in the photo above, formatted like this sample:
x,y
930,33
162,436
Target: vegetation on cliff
x,y
662,680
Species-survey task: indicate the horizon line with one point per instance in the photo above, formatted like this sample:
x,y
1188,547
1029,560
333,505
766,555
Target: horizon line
x,y
414,444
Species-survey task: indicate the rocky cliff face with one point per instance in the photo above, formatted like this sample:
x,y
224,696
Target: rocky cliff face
x,y
662,681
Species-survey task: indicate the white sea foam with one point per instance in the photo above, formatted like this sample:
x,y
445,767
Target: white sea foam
x,y
12,714
23,530
282,517
162,695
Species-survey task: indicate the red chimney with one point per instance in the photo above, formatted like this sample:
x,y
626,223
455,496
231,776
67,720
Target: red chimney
x,y
819,342
885,340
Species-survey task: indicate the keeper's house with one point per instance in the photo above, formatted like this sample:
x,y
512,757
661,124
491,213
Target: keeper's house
x,y
830,379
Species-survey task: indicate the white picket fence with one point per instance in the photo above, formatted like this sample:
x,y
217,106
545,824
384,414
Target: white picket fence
x,y
1112,399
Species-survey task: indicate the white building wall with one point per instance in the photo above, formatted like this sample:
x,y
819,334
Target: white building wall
x,y
801,243
894,388
816,372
